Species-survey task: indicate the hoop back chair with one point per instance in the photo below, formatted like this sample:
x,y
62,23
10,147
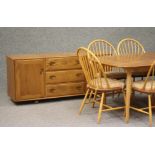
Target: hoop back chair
x,y
146,86
97,80
130,46
102,47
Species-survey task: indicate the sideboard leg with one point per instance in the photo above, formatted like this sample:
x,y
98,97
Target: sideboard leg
x,y
36,101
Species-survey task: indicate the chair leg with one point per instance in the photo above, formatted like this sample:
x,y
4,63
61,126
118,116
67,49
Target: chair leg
x,y
100,108
90,95
124,96
150,110
113,95
84,101
105,99
119,95
95,94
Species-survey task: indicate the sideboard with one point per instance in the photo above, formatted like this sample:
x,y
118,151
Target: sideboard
x,y
43,76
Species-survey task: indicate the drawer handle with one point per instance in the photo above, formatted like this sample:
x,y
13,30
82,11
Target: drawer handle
x,y
51,90
51,63
79,74
52,76
77,61
41,71
78,87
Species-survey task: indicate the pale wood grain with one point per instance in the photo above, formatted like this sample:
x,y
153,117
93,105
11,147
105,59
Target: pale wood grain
x,y
30,76
130,46
131,61
97,80
62,63
130,64
64,76
11,78
65,89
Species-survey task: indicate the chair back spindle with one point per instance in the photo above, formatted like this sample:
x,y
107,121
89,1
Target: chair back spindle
x,y
102,48
92,68
130,46
150,78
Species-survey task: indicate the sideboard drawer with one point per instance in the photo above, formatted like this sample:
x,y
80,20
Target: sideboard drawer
x,y
65,89
63,63
64,76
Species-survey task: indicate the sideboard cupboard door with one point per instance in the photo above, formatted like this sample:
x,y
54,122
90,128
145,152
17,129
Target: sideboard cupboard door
x,y
29,79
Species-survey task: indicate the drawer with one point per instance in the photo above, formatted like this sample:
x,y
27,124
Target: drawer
x,y
63,63
64,76
66,89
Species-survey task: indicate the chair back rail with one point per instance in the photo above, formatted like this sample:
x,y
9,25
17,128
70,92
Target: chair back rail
x,y
150,77
101,47
129,46
92,68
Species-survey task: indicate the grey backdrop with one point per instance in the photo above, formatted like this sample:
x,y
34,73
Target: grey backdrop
x,y
34,40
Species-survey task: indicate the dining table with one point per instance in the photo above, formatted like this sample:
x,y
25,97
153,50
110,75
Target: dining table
x,y
130,64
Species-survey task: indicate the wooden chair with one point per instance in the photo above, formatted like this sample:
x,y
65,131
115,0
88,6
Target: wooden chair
x,y
102,47
146,86
97,81
129,46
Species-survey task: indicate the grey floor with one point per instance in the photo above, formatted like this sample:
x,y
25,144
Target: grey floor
x,y
64,113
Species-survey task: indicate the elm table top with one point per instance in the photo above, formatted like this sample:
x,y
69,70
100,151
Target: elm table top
x,y
132,61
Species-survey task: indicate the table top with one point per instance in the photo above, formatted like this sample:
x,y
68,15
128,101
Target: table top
x,y
42,55
130,61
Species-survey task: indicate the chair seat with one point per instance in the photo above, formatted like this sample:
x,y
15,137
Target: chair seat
x,y
149,88
122,75
139,74
100,84
116,75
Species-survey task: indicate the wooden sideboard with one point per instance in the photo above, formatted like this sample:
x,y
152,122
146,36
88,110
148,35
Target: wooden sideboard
x,y
43,76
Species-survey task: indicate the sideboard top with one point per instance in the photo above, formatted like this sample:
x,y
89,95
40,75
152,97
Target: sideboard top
x,y
41,55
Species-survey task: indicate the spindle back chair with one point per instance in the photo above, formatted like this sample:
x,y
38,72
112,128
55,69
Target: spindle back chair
x,y
150,78
129,46
92,68
97,80
101,47
146,86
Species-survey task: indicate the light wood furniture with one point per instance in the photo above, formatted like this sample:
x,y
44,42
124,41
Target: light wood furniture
x,y
43,76
130,46
148,87
130,63
97,81
101,47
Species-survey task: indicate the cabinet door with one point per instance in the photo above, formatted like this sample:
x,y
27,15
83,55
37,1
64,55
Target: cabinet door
x,y
29,79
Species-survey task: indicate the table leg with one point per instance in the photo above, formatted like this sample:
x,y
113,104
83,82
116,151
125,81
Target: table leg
x,y
128,94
